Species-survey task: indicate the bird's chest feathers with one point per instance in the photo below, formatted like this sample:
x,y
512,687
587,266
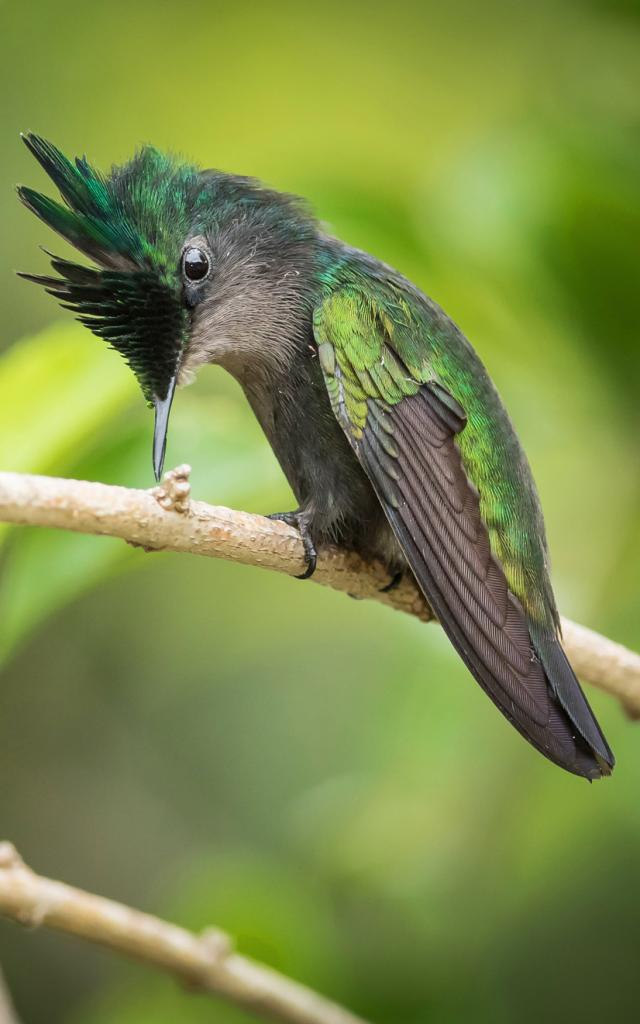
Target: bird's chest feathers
x,y
294,411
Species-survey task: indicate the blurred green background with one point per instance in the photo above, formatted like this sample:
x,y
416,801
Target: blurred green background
x,y
221,745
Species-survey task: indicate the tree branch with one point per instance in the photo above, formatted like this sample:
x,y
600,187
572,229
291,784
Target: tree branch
x,y
165,519
7,1012
204,962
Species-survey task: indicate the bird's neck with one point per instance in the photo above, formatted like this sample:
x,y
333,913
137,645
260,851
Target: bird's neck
x,y
259,317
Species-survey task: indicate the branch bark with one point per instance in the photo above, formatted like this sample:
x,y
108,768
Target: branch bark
x,y
165,519
7,1011
204,962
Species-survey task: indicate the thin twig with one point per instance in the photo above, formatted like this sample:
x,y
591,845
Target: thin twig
x,y
204,962
165,519
8,1014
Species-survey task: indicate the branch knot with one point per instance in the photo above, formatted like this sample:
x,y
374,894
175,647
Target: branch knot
x,y
174,493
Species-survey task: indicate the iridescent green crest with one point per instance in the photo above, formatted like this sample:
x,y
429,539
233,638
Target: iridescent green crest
x,y
132,223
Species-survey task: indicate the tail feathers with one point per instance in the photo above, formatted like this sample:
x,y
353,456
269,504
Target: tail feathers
x,y
568,691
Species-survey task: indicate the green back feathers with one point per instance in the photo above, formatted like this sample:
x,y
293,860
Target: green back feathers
x,y
384,346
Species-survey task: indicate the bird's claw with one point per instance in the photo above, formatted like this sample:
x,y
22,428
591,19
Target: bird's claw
x,y
311,555
298,520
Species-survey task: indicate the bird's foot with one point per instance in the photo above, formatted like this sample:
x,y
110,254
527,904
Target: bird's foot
x,y
299,520
394,582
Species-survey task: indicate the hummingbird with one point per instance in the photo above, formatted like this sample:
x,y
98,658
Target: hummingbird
x,y
382,416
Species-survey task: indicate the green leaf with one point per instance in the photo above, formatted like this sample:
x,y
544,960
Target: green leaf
x,y
57,388
70,411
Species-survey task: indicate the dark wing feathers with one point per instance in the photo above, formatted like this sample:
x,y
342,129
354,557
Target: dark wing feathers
x,y
410,454
435,513
569,693
403,426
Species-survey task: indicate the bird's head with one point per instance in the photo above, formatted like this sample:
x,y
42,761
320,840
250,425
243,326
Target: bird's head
x,y
183,260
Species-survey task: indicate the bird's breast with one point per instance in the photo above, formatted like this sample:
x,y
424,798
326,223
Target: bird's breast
x,y
322,470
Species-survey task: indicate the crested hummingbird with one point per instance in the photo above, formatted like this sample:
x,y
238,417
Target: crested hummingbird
x,y
383,418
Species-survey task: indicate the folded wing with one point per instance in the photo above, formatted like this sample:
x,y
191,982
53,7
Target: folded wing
x,y
404,434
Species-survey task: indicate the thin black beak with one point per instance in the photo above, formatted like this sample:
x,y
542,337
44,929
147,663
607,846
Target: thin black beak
x,y
163,408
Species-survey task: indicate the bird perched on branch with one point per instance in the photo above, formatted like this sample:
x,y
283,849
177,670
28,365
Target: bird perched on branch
x,y
384,420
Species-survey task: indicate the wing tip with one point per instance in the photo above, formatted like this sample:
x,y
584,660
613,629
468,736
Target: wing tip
x,y
569,694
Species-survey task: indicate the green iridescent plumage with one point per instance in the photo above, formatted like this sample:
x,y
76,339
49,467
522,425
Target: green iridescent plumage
x,y
434,439
386,346
130,224
135,216
383,418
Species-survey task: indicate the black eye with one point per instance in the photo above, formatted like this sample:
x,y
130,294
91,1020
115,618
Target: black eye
x,y
195,263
